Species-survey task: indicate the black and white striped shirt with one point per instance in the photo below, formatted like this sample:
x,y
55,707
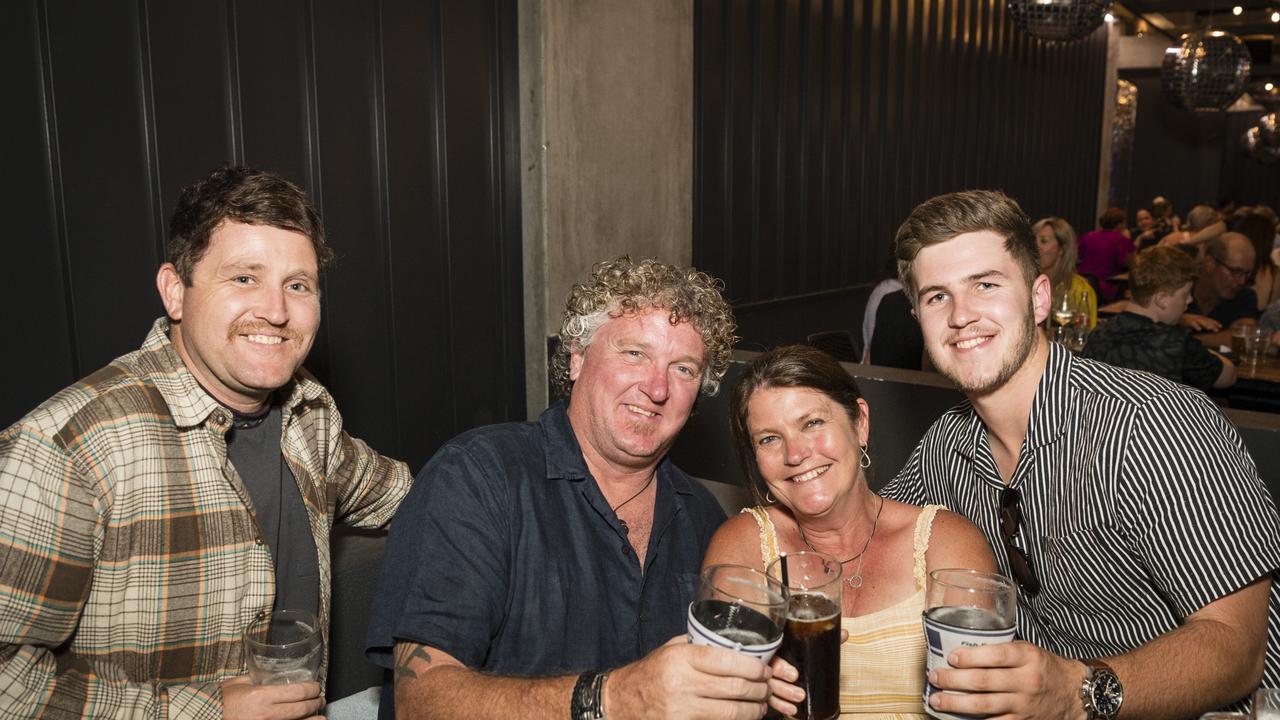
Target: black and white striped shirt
x,y
1140,506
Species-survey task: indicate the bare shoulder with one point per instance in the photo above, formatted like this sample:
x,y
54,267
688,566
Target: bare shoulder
x,y
956,542
737,541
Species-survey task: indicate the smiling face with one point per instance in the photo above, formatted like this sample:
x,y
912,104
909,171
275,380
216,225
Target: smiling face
x,y
976,311
1144,220
633,389
247,321
1049,247
806,447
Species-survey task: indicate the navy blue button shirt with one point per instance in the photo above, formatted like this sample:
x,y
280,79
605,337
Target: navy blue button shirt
x,y
506,555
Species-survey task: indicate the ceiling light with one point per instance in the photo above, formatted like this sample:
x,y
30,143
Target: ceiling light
x,y
1109,18
1275,16
1237,10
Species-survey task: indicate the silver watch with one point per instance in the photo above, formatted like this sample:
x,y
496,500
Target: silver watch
x,y
1101,691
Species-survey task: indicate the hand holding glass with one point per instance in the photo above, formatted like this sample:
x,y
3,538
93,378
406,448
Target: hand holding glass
x,y
738,608
283,647
965,608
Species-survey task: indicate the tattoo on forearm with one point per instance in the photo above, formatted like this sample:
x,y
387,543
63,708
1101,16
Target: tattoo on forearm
x,y
406,654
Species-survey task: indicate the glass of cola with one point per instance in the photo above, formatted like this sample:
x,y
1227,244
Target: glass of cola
x,y
811,635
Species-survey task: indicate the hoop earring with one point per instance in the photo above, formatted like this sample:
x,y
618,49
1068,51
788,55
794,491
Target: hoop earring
x,y
865,462
768,497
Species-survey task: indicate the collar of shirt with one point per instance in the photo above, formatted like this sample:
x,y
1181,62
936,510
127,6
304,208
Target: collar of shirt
x,y
1049,408
564,455
189,404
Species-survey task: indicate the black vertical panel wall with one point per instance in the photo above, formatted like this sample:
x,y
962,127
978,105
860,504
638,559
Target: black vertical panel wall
x,y
819,124
398,116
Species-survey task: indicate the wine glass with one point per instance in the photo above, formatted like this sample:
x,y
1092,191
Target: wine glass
x,y
283,647
740,609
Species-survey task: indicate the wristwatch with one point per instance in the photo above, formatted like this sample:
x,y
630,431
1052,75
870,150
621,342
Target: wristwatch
x,y
1101,691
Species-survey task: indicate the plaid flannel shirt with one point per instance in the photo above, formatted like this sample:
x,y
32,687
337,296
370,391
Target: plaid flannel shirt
x,y
130,558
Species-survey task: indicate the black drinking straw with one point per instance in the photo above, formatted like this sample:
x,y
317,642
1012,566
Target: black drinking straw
x,y
785,584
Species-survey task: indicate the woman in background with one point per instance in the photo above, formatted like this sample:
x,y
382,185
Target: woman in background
x,y
1105,252
1261,232
1056,240
801,427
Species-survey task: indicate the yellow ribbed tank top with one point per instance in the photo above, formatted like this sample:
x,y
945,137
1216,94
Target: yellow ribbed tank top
x,y
882,664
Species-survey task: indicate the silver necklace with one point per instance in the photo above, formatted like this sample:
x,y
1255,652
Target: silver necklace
x,y
626,529
854,581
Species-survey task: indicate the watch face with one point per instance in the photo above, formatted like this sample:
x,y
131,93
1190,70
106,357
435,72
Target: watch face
x,y
1107,693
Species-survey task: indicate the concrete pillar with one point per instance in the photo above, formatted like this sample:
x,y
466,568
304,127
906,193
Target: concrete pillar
x,y
606,147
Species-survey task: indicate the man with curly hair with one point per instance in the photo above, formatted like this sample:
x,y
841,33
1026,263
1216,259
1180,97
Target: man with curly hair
x,y
544,569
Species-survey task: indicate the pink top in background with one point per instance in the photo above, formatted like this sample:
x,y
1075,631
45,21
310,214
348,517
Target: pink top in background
x,y
1103,254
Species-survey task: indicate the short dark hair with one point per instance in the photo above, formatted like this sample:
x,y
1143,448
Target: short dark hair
x,y
942,218
1162,268
1112,218
790,366
243,195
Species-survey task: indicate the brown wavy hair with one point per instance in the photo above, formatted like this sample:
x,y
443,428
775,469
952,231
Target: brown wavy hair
x,y
790,366
622,286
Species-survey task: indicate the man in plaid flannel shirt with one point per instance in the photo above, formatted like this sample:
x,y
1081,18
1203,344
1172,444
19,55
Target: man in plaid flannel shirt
x,y
136,541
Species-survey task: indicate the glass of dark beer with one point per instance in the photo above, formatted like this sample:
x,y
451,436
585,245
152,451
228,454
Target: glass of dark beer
x,y
811,635
964,608
738,608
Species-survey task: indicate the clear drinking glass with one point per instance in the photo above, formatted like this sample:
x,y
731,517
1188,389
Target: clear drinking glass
x,y
811,636
283,647
964,608
738,608
1266,704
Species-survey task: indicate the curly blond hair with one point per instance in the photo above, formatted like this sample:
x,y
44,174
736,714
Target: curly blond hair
x,y
621,286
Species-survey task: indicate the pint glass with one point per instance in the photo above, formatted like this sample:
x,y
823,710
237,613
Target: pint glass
x,y
738,608
964,608
811,635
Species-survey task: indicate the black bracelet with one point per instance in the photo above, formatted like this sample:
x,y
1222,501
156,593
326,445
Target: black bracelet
x,y
588,701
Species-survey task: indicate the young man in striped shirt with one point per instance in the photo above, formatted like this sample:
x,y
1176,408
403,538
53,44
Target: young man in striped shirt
x,y
1125,505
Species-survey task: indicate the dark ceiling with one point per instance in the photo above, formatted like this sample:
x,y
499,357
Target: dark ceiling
x,y
1186,15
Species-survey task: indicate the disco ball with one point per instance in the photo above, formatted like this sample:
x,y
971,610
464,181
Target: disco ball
x,y
1266,93
1269,130
1257,149
1058,20
1206,72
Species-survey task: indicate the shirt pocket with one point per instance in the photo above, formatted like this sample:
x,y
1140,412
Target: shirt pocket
x,y
1080,565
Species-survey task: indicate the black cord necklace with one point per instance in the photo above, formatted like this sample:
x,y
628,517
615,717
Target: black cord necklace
x,y
626,529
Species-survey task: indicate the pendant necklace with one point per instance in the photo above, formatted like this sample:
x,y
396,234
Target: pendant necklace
x,y
854,581
626,529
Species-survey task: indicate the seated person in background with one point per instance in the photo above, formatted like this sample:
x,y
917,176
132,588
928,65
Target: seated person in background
x,y
1105,252
899,342
1261,231
1149,232
1221,295
1167,220
1056,241
544,569
149,512
884,288
801,426
1147,336
1203,224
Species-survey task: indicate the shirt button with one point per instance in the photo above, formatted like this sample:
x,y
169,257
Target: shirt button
x,y
258,541
626,549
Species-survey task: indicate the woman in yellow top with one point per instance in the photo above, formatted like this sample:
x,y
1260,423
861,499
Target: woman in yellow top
x,y
1056,240
801,427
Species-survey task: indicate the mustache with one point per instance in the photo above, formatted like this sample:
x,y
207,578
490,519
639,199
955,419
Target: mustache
x,y
260,328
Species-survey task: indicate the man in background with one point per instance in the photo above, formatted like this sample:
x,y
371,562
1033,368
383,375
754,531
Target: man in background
x,y
1147,335
151,511
1222,295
